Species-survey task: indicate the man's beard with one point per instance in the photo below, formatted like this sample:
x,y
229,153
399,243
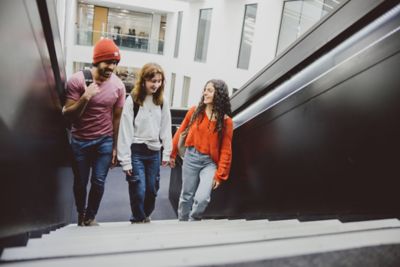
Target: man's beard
x,y
105,73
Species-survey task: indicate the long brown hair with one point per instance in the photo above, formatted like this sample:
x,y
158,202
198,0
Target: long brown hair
x,y
221,106
147,73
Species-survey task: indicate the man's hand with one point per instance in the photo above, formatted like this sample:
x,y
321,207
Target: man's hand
x,y
165,163
114,160
90,91
73,110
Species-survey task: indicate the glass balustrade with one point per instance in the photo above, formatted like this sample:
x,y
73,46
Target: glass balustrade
x,y
124,41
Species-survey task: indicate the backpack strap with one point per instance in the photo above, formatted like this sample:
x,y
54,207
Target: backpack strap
x,y
87,74
135,110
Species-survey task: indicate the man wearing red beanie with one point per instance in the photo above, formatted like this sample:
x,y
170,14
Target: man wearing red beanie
x,y
95,111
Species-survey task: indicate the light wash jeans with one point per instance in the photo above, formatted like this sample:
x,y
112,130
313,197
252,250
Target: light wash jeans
x,y
198,172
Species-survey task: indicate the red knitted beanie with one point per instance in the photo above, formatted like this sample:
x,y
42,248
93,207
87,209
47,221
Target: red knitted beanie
x,y
104,50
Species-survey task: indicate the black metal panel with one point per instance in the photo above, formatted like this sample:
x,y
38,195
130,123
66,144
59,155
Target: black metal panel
x,y
48,16
329,149
177,116
36,187
175,184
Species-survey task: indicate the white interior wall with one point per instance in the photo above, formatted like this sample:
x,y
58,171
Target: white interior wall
x,y
61,15
224,44
223,47
155,32
169,45
268,22
70,54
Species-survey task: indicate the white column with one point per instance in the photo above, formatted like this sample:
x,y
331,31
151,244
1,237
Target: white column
x,y
70,26
154,34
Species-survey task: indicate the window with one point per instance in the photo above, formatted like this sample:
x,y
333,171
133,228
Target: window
x,y
185,91
178,34
299,16
130,29
172,90
161,35
84,24
249,23
203,35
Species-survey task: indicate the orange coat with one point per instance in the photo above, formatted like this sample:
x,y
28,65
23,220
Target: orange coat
x,y
203,137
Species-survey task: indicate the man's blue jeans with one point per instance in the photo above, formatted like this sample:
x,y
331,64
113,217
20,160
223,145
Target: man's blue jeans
x,y
144,182
95,155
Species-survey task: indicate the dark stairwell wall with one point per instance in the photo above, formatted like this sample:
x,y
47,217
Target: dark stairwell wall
x,y
36,181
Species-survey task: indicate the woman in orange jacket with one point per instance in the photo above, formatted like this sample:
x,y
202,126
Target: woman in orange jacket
x,y
208,155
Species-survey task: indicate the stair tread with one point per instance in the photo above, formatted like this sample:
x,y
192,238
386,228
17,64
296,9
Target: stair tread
x,y
97,240
232,253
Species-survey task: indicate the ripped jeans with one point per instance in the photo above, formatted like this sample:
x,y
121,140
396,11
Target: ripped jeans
x,y
144,182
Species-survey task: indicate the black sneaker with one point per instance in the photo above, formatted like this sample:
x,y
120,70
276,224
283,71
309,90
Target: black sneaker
x,y
145,220
81,218
137,222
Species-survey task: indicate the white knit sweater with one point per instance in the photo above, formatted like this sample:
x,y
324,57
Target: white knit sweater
x,y
151,125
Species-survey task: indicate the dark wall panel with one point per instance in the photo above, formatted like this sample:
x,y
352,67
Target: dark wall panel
x,y
35,185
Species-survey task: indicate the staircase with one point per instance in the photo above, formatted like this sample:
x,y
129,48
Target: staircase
x,y
208,242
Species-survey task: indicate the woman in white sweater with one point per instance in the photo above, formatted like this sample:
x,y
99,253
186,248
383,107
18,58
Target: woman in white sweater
x,y
145,121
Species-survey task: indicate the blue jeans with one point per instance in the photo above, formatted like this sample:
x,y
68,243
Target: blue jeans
x,y
95,155
198,172
144,182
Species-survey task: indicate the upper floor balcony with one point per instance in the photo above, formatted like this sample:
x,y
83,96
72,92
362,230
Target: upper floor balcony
x,y
136,43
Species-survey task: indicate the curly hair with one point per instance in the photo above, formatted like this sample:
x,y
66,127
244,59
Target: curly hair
x,y
221,106
147,73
